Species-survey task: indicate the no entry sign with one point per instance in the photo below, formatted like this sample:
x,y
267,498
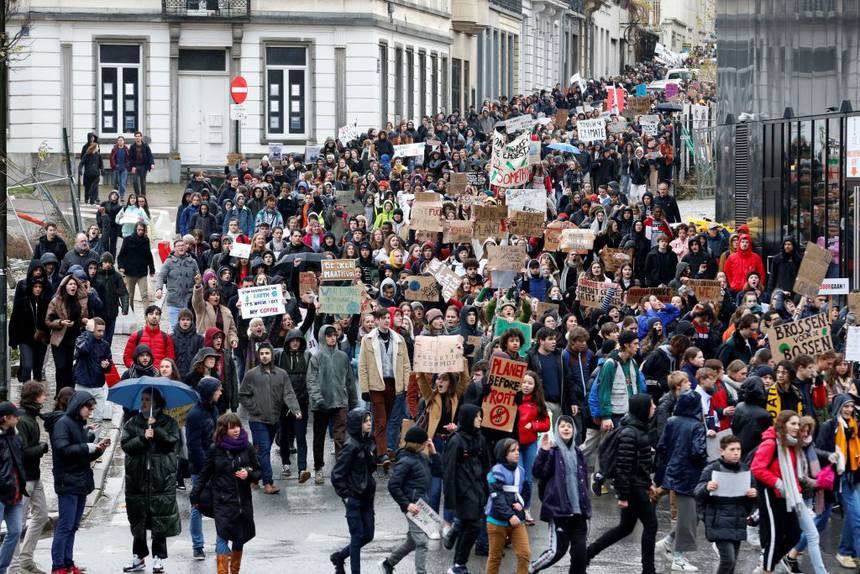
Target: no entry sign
x,y
238,89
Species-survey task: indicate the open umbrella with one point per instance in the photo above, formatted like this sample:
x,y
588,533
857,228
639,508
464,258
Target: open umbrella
x,y
669,107
564,147
176,394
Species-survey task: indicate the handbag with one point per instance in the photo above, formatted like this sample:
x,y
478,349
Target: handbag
x,y
112,376
825,479
205,500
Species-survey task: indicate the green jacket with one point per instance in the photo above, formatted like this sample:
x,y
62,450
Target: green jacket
x,y
150,476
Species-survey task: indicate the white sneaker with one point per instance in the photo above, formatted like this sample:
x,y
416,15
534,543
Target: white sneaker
x,y
681,565
286,471
157,566
663,548
435,535
136,565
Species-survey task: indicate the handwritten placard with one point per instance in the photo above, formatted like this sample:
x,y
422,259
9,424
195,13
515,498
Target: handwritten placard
x,y
576,240
262,301
499,408
443,354
340,300
308,282
807,336
663,294
615,259
422,288
593,293
449,280
525,200
706,290
427,212
338,270
457,230
552,234
240,250
506,257
528,223
489,220
813,270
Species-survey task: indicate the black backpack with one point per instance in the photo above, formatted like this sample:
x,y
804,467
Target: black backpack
x,y
607,452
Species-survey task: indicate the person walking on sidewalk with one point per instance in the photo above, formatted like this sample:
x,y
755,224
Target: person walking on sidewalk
x,y
264,393
178,274
231,467
73,451
199,428
12,481
142,162
33,396
92,362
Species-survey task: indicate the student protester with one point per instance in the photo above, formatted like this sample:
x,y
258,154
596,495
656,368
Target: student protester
x,y
545,359
186,341
136,264
28,331
751,418
417,463
160,344
294,358
565,506
532,419
230,469
92,362
13,481
352,478
67,314
113,293
150,442
199,428
505,508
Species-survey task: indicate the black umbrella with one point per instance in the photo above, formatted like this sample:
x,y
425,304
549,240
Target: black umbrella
x,y
669,107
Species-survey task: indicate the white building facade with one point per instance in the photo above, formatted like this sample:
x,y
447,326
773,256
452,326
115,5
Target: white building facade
x,y
550,47
607,41
164,68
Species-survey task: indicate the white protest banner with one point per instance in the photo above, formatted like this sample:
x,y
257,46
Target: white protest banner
x,y
807,336
346,134
713,444
442,354
731,484
650,124
262,301
700,116
427,519
275,151
510,162
129,218
577,79
576,240
519,123
852,344
409,150
533,200
240,250
338,270
834,287
312,152
340,300
449,280
591,130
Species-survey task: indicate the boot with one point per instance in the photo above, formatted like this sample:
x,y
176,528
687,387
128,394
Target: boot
x,y
223,563
235,561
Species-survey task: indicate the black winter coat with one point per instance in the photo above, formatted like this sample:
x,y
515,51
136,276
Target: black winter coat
x,y
783,270
28,316
12,481
634,454
200,424
112,291
135,256
660,267
150,475
724,518
185,346
735,348
751,417
234,509
411,478
71,453
31,435
467,462
352,475
683,447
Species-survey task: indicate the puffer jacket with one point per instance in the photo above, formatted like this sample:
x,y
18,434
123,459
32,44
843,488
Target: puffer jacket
x,y
71,453
725,518
740,263
683,446
200,424
634,454
185,346
412,476
352,475
466,464
89,354
751,418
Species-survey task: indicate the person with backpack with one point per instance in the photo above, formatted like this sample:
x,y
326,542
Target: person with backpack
x,y
683,449
417,463
505,508
565,506
625,458
160,343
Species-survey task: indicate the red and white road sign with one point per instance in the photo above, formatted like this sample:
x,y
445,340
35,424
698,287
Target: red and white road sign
x,y
238,89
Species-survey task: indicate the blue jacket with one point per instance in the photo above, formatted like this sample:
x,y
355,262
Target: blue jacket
x,y
550,470
200,424
185,219
504,490
683,446
243,216
89,353
666,315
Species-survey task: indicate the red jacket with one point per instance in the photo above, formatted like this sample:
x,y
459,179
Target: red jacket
x,y
740,263
765,464
160,342
528,413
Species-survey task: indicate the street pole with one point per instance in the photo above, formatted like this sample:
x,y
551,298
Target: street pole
x,y
5,374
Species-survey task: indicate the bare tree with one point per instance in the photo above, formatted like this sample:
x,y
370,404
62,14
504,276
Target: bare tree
x,y
12,46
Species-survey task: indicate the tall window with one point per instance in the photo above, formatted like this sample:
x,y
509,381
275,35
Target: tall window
x,y
410,83
383,84
434,83
422,80
286,90
467,79
455,84
398,83
445,84
119,88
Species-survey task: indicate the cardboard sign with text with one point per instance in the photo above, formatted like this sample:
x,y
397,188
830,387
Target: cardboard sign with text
x,y
489,220
449,280
637,106
663,294
552,234
499,409
426,212
308,282
808,336
706,290
541,307
509,161
338,270
813,270
592,293
854,304
560,119
575,239
423,288
614,259
475,341
506,257
341,300
526,223
457,230
457,184
442,354
591,130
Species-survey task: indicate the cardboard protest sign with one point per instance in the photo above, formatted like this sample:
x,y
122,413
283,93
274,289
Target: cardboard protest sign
x,y
262,301
499,408
854,304
834,287
591,294
509,162
240,250
526,223
449,280
813,270
808,336
591,130
475,341
341,300
576,239
409,150
706,290
489,220
422,288
443,354
503,325
552,234
614,259
650,124
457,184
519,123
542,307
426,212
637,106
457,230
663,294
338,270
308,282
427,519
506,257
617,127
525,200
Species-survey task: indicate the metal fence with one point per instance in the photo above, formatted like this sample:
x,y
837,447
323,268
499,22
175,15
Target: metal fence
x,y
206,8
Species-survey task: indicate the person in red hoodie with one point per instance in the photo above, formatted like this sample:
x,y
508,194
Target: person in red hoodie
x,y
532,418
741,263
775,468
152,336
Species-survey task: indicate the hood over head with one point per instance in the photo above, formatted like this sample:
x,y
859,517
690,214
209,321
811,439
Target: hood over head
x,y
839,402
210,335
501,448
201,355
640,407
354,420
141,349
566,419
689,404
79,399
753,391
206,389
292,336
321,335
49,257
466,418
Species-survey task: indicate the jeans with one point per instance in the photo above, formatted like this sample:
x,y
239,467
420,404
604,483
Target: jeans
x,y
360,518
625,184
172,314
13,514
416,540
850,498
806,519
223,546
728,551
263,436
519,536
121,178
32,361
395,420
140,181
195,526
641,509
528,453
71,509
37,506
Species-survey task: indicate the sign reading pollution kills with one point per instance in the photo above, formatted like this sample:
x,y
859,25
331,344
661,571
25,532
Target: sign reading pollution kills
x,y
499,407
808,336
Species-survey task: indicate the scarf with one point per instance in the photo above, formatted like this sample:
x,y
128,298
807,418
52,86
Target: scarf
x,y
235,444
571,469
850,447
790,476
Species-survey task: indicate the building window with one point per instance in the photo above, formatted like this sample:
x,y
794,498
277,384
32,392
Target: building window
x,y
422,80
434,84
383,84
119,88
203,60
455,84
286,90
410,83
445,84
467,79
398,83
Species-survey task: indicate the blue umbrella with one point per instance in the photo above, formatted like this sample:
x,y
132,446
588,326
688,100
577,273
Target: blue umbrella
x,y
176,394
564,147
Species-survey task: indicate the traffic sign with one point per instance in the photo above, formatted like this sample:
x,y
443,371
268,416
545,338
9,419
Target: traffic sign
x,y
238,89
238,112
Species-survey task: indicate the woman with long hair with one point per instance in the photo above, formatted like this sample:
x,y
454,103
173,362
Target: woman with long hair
x,y
230,469
67,314
91,167
532,418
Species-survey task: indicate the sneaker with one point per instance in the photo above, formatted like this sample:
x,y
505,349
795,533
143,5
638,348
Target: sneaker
x,y
664,549
681,565
287,471
199,554
791,565
318,477
31,568
449,539
180,486
846,561
136,565
529,520
336,559
75,569
157,566
457,569
304,476
385,567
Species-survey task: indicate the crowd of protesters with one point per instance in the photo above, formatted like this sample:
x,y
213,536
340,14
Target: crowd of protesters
x,y
617,398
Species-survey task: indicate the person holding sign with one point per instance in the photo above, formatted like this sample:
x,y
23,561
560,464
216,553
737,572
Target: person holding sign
x,y
211,313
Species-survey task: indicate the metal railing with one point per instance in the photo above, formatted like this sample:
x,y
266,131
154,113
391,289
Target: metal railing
x,y
515,6
214,9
